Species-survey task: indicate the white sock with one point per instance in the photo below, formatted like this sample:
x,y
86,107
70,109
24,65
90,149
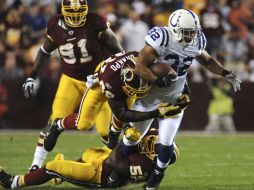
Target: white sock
x,y
39,156
114,129
14,184
59,124
161,164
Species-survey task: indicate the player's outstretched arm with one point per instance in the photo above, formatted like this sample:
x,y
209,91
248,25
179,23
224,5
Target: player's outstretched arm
x,y
214,66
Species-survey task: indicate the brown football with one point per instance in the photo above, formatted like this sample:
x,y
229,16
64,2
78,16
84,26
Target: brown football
x,y
161,69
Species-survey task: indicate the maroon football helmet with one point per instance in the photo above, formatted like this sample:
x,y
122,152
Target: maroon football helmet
x,y
133,85
74,12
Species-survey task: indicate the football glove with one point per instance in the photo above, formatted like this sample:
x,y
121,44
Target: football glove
x,y
30,87
132,134
183,101
231,78
92,80
166,81
167,110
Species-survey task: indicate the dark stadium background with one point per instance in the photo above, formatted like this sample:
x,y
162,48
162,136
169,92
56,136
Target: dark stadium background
x,y
22,29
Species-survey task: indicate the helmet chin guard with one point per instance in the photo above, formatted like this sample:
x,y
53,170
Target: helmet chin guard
x,y
184,26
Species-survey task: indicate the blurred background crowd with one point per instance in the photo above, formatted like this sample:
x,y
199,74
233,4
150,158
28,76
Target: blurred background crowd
x,y
227,24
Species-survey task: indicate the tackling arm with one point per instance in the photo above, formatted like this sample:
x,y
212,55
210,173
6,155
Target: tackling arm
x,y
108,39
123,114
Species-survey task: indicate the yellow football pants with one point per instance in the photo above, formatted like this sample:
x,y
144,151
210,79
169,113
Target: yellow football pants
x,y
93,108
89,170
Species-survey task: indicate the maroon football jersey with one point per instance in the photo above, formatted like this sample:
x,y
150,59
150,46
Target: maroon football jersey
x,y
110,74
141,167
79,48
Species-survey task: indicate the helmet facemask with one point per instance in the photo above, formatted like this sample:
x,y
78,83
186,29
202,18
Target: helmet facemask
x,y
74,12
133,85
147,146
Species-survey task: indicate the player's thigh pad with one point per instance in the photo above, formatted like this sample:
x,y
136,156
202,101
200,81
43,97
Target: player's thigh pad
x,y
95,156
68,97
90,108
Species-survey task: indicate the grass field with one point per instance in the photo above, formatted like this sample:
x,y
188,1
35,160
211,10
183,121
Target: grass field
x,y
205,163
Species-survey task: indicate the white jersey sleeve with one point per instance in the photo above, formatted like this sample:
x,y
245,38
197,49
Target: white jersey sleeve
x,y
158,38
201,43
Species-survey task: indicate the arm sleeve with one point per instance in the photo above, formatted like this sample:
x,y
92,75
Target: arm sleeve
x,y
123,114
201,43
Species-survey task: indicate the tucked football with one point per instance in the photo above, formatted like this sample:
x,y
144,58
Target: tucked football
x,y
161,69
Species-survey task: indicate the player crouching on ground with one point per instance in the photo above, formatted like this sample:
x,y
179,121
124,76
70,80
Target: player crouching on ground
x,y
97,168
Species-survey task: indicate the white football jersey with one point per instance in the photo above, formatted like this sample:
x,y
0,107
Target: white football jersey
x,y
171,51
180,58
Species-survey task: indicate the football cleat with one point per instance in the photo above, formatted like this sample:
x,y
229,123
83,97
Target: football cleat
x,y
5,179
51,136
33,168
154,180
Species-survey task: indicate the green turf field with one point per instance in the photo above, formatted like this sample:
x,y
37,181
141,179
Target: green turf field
x,y
205,163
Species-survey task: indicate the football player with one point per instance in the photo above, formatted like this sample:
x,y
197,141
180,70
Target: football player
x,y
177,44
118,85
97,168
80,38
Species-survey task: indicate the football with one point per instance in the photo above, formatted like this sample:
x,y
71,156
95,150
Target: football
x,y
161,69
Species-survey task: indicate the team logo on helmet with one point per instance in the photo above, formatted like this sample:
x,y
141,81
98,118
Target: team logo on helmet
x,y
184,26
133,85
74,12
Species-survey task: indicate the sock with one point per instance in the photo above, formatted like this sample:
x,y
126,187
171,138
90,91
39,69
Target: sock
x,y
164,155
69,122
14,184
116,125
36,177
39,156
128,149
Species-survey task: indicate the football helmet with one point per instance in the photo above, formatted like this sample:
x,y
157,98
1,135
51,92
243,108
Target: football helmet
x,y
184,26
133,85
147,146
74,12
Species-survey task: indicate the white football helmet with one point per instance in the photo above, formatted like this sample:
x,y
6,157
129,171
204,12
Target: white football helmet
x,y
184,26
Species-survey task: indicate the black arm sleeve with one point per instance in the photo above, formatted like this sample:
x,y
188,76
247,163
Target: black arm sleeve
x,y
123,114
43,56
109,41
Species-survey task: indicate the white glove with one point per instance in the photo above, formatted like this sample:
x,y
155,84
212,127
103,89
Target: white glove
x,y
233,80
92,80
30,87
